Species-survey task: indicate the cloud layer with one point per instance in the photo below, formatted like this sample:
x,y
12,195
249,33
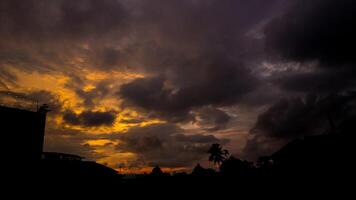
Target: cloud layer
x,y
162,80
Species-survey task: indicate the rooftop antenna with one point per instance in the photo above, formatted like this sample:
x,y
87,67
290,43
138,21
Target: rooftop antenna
x,y
44,109
36,102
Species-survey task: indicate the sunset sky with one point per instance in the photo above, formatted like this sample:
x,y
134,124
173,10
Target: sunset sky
x,y
138,83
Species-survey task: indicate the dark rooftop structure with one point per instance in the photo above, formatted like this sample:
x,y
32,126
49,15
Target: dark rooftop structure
x,y
22,133
60,156
316,155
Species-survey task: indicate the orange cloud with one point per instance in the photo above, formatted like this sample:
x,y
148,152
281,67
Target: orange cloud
x,y
56,83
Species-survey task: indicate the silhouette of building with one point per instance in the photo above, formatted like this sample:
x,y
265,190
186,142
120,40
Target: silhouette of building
x,y
60,156
321,154
22,133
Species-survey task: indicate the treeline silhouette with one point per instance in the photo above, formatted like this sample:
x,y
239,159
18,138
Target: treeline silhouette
x,y
313,159
302,166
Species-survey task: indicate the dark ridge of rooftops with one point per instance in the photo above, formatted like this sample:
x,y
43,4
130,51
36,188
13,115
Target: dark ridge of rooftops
x,y
60,156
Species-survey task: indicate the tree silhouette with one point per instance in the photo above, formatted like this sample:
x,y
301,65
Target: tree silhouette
x,y
156,171
217,154
236,167
200,171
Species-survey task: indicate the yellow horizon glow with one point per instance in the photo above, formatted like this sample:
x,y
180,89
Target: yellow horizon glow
x,y
147,170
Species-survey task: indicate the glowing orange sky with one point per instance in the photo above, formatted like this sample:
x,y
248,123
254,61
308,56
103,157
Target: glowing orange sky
x,y
55,83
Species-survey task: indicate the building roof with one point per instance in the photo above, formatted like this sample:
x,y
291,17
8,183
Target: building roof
x,y
61,156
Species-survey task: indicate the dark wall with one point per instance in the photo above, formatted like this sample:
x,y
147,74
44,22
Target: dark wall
x,y
21,134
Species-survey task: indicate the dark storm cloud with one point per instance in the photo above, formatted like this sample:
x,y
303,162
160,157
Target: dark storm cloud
x,y
197,53
293,118
151,95
166,145
318,36
42,19
326,81
100,91
196,138
322,30
18,57
212,119
215,84
107,58
89,118
46,36
197,56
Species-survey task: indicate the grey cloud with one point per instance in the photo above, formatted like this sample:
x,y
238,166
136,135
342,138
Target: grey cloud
x,y
38,20
212,119
89,118
215,84
294,118
46,36
197,54
91,97
196,138
319,32
324,81
194,55
315,30
150,94
71,144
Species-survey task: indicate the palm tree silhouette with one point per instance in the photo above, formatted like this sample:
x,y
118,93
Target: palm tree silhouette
x,y
217,154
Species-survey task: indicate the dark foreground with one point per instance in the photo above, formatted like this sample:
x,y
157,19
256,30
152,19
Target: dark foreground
x,y
319,165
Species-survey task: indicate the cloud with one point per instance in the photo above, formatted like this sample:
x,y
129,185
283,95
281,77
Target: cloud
x,y
3,86
294,118
197,59
70,143
166,145
90,118
7,78
290,118
91,97
32,100
212,84
315,30
324,81
318,37
211,119
49,98
196,55
62,19
48,36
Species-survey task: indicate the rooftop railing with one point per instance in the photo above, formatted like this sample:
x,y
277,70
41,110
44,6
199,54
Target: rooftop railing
x,y
18,100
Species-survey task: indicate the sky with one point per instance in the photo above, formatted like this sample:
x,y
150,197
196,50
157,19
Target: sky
x,y
137,83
